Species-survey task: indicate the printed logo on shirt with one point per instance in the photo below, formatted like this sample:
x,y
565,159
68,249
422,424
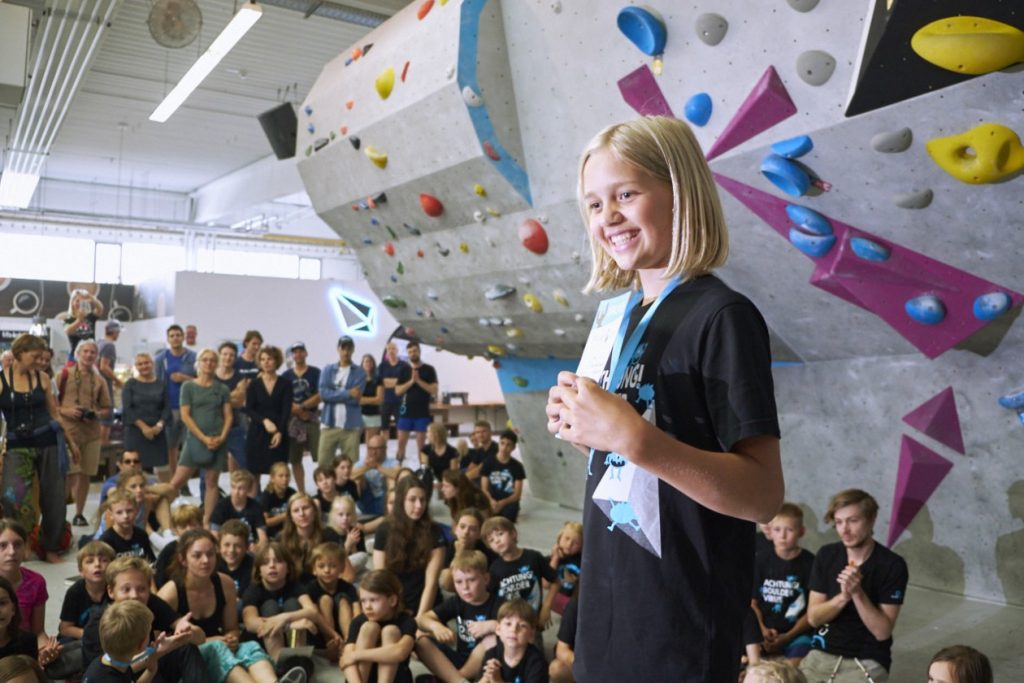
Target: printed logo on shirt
x,y
464,635
777,592
818,639
523,585
135,551
502,480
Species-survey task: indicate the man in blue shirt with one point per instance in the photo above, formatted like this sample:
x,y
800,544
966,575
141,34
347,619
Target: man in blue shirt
x,y
175,365
341,421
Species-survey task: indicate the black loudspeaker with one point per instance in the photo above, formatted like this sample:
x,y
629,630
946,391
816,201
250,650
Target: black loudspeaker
x,y
280,126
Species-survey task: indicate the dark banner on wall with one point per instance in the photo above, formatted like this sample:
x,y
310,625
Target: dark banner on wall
x,y
50,299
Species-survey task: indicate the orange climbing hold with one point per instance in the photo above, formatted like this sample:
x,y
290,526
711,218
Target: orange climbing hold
x,y
431,205
357,52
491,152
424,9
350,104
389,248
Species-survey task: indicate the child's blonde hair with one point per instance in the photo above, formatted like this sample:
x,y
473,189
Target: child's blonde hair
x,y
186,516
666,149
497,523
791,511
127,563
275,468
123,627
575,528
121,496
244,476
329,550
94,549
469,561
775,672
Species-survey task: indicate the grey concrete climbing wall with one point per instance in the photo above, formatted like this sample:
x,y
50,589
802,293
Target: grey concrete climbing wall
x,y
443,148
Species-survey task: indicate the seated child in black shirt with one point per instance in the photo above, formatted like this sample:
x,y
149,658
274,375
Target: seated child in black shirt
x,y
238,505
332,595
381,639
343,521
343,482
183,518
86,592
515,657
275,602
235,559
326,492
566,559
517,572
274,498
123,536
124,635
502,477
475,613
467,527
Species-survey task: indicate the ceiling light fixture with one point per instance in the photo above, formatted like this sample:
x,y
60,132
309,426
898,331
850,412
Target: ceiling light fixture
x,y
247,15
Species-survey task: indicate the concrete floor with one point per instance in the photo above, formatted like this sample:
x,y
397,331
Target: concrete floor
x,y
928,621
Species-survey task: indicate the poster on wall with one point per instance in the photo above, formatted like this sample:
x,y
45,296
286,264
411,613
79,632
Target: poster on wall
x,y
23,298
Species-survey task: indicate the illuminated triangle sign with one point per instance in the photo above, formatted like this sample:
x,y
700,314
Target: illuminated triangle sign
x,y
356,315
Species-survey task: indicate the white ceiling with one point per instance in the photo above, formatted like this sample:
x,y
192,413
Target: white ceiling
x,y
108,140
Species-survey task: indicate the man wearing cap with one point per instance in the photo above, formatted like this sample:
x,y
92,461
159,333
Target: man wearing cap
x,y
304,425
108,361
341,420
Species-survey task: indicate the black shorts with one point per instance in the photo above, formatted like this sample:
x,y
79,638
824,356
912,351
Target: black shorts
x,y
389,415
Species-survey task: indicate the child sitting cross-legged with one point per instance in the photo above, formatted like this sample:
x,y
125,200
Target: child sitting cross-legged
x,y
468,523
326,493
125,637
515,659
274,498
239,505
566,558
342,525
87,592
276,605
333,596
517,572
123,536
381,639
474,611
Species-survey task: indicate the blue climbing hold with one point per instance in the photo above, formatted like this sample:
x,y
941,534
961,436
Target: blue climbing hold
x,y
367,240
785,175
364,206
992,305
1014,401
311,128
394,278
814,246
309,110
869,250
794,148
808,220
374,221
698,109
644,28
444,330
927,309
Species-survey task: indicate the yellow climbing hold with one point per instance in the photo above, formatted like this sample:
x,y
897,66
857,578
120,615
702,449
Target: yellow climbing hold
x,y
513,333
479,189
985,154
496,350
969,45
377,156
560,297
385,82
533,303
494,212
463,247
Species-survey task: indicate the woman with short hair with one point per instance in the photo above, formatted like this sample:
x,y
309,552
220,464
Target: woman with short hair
x,y
145,410
268,403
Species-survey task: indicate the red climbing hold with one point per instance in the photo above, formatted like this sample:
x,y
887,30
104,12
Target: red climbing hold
x,y
344,130
389,248
432,206
424,9
405,70
491,152
419,253
533,236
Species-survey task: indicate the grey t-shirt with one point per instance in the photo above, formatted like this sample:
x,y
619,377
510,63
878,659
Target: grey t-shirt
x,y
108,350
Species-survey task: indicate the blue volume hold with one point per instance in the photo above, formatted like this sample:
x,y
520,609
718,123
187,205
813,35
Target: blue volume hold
x,y
1014,401
992,305
785,175
644,28
794,148
697,109
808,220
927,309
814,246
869,250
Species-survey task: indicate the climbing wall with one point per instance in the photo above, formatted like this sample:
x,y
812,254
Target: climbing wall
x,y
868,161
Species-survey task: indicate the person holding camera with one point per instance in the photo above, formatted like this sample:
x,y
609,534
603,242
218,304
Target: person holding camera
x,y
34,434
84,401
84,310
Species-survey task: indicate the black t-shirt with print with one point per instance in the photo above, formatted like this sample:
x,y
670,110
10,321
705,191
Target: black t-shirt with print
x,y
884,580
257,594
780,588
413,582
521,577
86,329
138,545
274,505
502,476
668,581
349,488
241,575
345,589
532,668
416,401
438,463
461,612
78,604
568,571
251,514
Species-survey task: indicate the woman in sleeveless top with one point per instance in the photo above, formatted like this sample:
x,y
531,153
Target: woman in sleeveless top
x,y
197,587
34,435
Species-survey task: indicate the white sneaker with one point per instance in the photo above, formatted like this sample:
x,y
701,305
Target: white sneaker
x,y
296,674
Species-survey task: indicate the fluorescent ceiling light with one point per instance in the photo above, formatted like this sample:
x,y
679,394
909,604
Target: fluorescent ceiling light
x,y
16,189
247,15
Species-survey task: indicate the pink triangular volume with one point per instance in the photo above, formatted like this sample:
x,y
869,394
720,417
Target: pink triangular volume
x,y
937,417
642,92
767,104
921,471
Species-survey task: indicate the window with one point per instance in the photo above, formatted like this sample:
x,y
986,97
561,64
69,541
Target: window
x,y
142,261
108,262
309,269
46,258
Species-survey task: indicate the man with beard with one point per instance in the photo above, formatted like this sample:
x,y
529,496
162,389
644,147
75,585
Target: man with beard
x,y
856,590
417,387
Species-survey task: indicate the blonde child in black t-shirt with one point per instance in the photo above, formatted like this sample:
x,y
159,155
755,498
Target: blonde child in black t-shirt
x,y
381,639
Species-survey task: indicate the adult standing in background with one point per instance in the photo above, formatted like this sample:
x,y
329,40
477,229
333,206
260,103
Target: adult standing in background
x,y
372,398
304,425
174,365
107,363
341,387
268,404
206,413
84,401
84,309
247,362
391,368
191,336
417,386
227,375
34,438
145,411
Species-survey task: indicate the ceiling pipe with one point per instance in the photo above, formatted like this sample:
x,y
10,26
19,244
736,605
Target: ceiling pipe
x,y
331,10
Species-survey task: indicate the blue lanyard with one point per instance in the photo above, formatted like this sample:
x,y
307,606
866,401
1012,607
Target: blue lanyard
x,y
622,354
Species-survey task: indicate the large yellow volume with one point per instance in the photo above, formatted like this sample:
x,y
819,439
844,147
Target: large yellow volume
x,y
985,154
969,45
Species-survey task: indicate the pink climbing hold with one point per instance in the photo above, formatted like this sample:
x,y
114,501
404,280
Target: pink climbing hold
x,y
491,152
766,105
921,470
431,205
533,236
642,92
883,287
937,417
